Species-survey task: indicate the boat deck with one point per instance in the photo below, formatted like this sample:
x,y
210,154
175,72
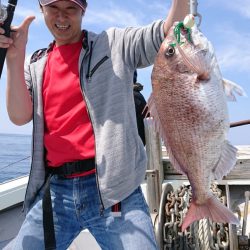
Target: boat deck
x,y
12,194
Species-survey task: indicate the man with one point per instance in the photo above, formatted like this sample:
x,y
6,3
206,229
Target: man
x,y
140,107
88,161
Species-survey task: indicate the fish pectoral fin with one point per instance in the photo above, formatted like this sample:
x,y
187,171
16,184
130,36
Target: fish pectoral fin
x,y
226,162
230,88
212,209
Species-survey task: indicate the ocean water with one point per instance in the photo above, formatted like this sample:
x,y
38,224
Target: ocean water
x,y
15,152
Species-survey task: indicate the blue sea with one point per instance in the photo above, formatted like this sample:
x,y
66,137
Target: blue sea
x,y
15,152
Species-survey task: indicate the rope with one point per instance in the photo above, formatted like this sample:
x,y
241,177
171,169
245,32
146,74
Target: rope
x,y
204,234
14,163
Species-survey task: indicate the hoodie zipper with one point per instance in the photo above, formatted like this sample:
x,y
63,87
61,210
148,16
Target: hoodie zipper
x,y
89,63
89,74
24,207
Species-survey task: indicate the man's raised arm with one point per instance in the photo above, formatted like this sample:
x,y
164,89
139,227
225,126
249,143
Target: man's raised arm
x,y
19,103
177,12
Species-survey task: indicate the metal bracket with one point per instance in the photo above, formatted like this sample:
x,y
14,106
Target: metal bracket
x,y
3,13
193,6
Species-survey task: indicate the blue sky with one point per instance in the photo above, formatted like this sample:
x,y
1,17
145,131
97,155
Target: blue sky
x,y
225,23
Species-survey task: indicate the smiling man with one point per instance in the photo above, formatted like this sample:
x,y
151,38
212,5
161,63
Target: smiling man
x,y
88,160
63,19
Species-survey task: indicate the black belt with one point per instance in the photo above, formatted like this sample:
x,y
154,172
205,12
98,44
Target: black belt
x,y
64,170
75,167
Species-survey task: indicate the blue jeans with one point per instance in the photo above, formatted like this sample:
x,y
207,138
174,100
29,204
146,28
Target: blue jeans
x,y
76,206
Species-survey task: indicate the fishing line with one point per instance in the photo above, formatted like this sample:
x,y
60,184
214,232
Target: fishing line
x,y
14,163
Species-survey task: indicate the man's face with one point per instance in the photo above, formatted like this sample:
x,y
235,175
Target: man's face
x,y
63,19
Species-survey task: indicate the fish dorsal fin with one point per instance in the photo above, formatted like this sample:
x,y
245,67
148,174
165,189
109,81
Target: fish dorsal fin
x,y
158,127
230,88
226,162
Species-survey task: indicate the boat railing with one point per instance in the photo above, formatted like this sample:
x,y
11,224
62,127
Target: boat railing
x,y
165,185
10,165
239,123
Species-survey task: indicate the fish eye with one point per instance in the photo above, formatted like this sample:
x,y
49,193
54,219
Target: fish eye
x,y
170,51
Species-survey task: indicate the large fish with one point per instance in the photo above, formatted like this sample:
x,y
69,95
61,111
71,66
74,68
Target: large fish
x,y
188,104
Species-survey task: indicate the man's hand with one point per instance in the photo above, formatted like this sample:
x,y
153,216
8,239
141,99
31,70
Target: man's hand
x,y
16,43
18,100
177,13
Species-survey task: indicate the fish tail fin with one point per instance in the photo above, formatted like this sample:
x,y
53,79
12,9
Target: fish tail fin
x,y
230,88
212,209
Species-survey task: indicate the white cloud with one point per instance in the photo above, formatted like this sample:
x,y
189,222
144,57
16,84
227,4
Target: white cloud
x,y
240,6
112,17
114,14
234,58
234,50
21,13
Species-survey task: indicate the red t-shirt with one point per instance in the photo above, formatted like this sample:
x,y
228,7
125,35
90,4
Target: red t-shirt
x,y
68,130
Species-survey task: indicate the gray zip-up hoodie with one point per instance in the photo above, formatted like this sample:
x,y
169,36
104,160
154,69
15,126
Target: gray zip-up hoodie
x,y
106,65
